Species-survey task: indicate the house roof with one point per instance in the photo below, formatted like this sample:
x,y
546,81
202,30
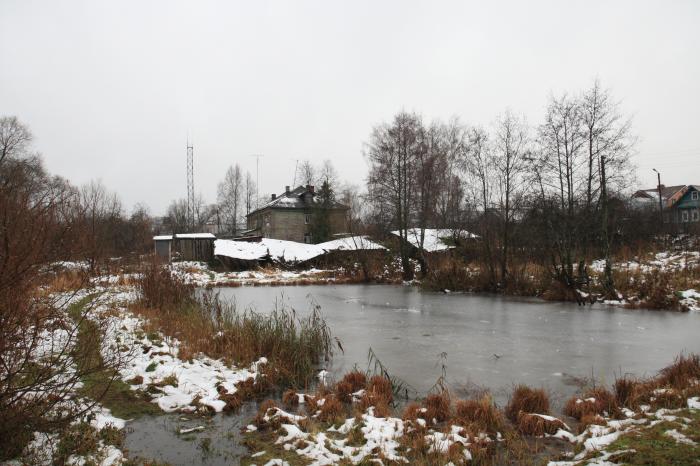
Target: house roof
x,y
296,199
653,193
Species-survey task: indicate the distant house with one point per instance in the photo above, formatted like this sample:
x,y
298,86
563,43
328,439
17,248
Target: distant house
x,y
290,216
680,204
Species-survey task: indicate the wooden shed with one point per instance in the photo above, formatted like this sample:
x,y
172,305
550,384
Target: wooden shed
x,y
185,246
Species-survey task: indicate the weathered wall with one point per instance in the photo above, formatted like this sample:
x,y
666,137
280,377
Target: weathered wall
x,y
290,225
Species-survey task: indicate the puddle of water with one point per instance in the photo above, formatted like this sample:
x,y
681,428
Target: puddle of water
x,y
217,444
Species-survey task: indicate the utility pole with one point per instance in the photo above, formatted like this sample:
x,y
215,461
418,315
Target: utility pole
x,y
257,178
190,184
661,202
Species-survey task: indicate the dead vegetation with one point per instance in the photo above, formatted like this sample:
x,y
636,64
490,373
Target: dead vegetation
x,y
293,345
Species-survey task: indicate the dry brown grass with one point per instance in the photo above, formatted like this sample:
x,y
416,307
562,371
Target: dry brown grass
x,y
356,379
332,410
204,324
379,388
532,424
438,407
626,391
597,400
480,414
684,372
526,400
412,411
259,419
349,384
290,398
344,391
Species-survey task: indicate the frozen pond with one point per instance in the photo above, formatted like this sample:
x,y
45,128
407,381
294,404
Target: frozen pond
x,y
490,341
548,344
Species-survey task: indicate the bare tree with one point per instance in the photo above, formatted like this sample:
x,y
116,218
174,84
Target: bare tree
x,y
609,145
14,138
509,153
328,174
391,153
481,178
102,210
307,172
44,355
563,174
230,197
177,216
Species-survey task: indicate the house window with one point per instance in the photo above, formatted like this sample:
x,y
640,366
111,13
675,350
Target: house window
x,y
307,238
694,195
307,219
696,215
685,215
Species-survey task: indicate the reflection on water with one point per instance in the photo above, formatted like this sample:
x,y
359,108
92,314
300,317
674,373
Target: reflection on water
x,y
214,440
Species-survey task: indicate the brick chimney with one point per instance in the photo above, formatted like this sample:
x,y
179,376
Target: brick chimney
x,y
310,188
286,189
274,196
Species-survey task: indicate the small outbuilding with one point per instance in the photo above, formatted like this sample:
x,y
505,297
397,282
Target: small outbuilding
x,y
185,246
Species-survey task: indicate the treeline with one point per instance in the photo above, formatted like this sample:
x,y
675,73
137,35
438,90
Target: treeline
x,y
553,193
44,218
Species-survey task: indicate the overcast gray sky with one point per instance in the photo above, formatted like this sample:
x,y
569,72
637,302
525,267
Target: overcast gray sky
x,y
111,90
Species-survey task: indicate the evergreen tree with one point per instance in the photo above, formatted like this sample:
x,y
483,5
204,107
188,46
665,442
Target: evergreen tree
x,y
321,225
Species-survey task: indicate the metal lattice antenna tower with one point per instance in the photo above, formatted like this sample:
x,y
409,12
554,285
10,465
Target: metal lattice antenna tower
x,y
190,184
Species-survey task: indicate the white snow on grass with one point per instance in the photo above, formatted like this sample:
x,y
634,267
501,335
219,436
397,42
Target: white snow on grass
x,y
199,274
153,358
679,437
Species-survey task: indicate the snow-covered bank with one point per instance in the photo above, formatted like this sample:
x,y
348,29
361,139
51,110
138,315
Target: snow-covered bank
x,y
148,362
199,274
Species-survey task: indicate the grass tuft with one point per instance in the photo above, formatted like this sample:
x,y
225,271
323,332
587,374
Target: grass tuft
x,y
526,400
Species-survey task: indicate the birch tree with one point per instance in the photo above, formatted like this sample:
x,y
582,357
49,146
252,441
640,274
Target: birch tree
x,y
230,197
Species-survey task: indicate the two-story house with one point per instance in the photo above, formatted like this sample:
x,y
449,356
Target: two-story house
x,y
290,216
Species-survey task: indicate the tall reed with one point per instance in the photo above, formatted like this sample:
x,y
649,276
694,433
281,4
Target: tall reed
x,y
294,345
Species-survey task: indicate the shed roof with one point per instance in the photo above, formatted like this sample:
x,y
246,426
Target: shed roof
x,y
184,236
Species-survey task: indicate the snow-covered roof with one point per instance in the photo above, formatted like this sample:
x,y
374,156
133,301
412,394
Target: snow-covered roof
x,y
434,239
296,199
184,236
195,236
288,251
276,249
351,243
